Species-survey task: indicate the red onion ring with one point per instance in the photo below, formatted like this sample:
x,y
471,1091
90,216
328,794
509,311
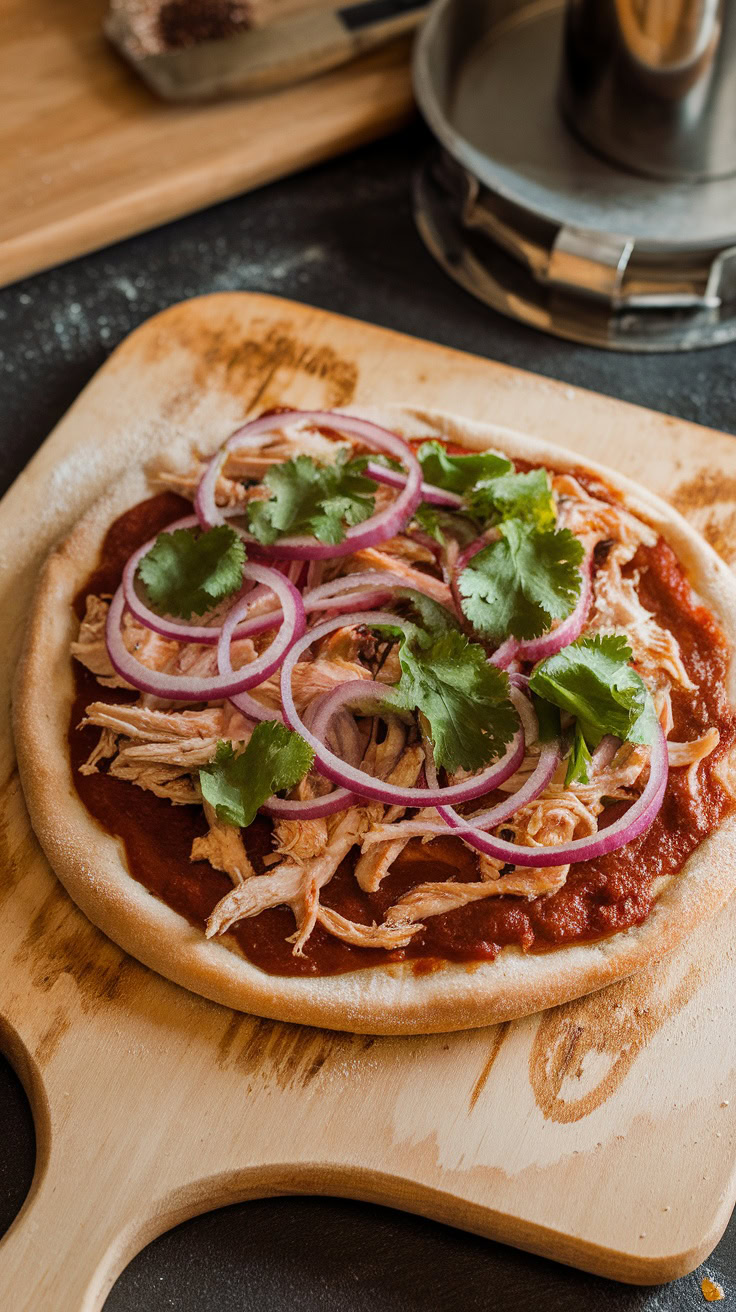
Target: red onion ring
x,y
505,654
359,781
548,761
203,688
629,826
386,524
315,809
435,496
382,582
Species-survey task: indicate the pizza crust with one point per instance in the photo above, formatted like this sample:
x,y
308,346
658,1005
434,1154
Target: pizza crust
x,y
389,999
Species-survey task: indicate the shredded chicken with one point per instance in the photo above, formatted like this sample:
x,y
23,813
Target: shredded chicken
x,y
366,936
152,726
223,847
301,840
617,608
248,464
691,754
373,865
593,520
90,649
436,899
371,558
167,781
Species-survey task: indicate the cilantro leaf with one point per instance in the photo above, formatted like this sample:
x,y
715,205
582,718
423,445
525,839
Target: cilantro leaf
x,y
464,699
431,615
438,523
522,582
578,760
314,499
458,473
187,572
593,680
237,783
548,719
527,497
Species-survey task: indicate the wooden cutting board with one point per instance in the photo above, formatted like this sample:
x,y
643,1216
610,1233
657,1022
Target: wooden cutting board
x,y
599,1133
88,155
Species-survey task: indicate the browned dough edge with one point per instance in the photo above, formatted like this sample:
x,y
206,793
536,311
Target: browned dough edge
x,y
389,999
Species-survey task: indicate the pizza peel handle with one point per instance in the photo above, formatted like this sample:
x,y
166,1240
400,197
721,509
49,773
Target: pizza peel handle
x,y
131,1138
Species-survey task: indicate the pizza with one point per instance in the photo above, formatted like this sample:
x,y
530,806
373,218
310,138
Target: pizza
x,y
386,722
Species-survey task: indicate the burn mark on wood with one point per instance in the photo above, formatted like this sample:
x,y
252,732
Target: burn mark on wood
x,y
290,1056
499,1034
254,369
61,941
612,1026
51,1037
708,500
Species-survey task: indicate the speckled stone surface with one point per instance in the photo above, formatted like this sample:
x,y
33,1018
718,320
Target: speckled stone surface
x,y
340,237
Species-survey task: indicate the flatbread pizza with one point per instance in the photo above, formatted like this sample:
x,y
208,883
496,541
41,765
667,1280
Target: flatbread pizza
x,y
386,722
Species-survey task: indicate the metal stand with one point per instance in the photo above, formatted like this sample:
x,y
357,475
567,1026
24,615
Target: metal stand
x,y
527,219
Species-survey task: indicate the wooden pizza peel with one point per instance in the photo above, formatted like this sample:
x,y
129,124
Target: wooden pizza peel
x,y
601,1133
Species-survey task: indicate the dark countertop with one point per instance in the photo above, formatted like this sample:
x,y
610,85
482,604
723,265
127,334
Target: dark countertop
x,y
340,237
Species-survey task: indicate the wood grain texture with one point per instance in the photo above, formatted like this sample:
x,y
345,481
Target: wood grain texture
x,y
88,155
601,1133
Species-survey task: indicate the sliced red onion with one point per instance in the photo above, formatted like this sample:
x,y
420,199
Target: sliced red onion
x,y
525,712
629,826
203,688
255,710
505,654
386,524
282,809
381,582
358,780
395,478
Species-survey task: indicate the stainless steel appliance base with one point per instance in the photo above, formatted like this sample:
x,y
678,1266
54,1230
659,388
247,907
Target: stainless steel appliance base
x,y
527,219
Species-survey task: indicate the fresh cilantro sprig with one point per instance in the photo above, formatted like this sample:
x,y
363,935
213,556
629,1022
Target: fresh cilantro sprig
x,y
579,760
522,582
237,783
464,700
441,524
527,497
593,680
313,499
187,572
459,473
